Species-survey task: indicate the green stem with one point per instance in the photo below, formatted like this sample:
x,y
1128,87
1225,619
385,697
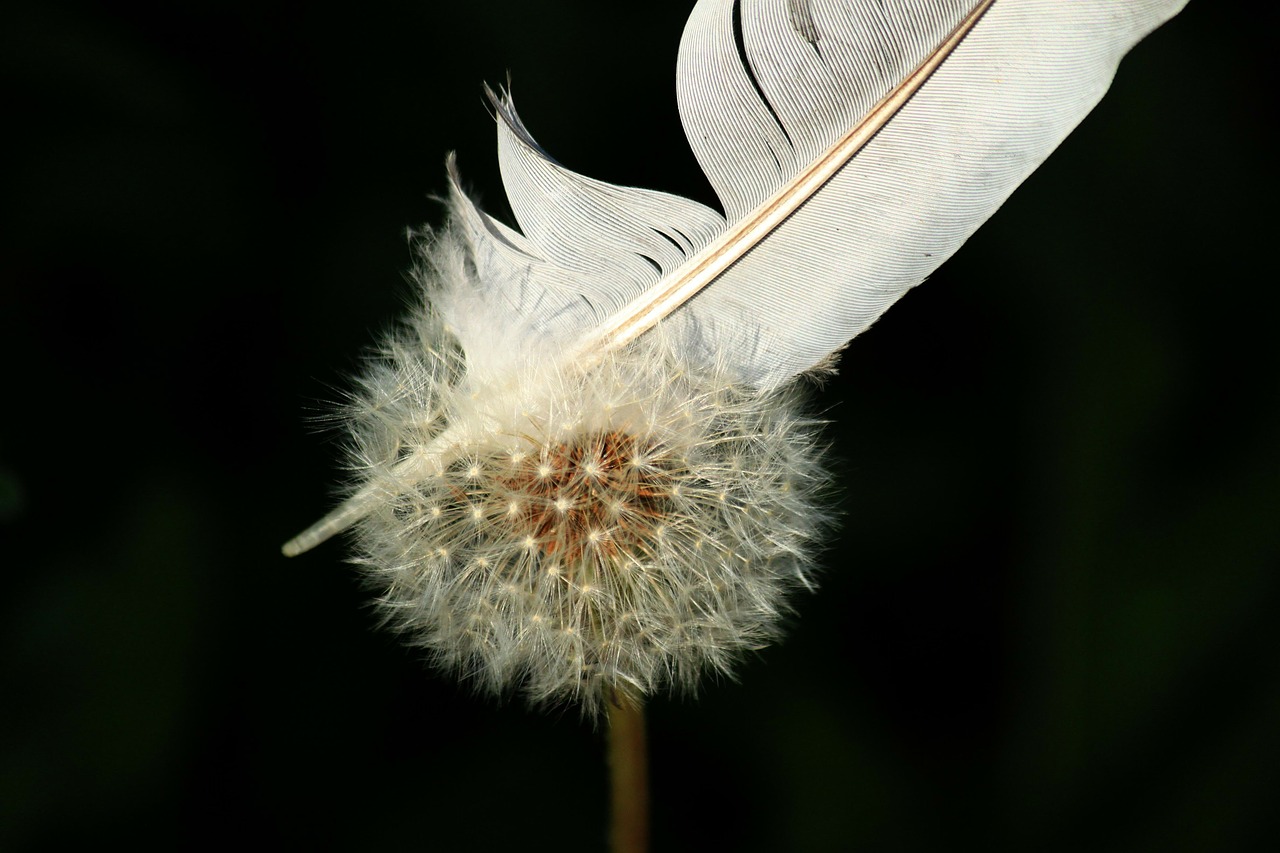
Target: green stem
x,y
628,776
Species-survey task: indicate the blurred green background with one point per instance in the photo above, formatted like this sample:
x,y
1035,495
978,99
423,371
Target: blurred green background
x,y
1049,619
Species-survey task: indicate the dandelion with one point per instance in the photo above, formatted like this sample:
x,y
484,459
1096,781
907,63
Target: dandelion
x,y
622,529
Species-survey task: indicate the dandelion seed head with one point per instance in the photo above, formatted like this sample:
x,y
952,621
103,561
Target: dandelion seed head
x,y
636,525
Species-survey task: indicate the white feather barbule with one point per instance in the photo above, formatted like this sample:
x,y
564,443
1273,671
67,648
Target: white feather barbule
x,y
580,467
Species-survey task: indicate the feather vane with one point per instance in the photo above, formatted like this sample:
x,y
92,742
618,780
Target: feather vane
x,y
854,145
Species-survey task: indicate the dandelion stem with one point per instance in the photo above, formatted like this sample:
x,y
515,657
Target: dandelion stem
x,y
628,776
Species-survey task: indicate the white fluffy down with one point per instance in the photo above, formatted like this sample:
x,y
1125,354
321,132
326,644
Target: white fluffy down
x,y
620,529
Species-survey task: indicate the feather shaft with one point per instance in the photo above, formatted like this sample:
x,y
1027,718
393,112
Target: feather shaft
x,y
348,513
411,470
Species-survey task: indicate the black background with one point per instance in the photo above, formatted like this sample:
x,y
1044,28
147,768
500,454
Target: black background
x,y
1048,620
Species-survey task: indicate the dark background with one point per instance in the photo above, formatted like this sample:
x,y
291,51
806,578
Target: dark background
x,y
1048,620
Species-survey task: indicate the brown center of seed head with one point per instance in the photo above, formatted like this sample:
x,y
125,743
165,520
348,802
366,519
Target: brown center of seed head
x,y
600,493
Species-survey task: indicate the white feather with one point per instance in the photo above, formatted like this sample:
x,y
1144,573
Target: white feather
x,y
854,146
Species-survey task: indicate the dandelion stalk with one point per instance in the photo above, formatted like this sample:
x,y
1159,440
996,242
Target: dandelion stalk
x,y
628,776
